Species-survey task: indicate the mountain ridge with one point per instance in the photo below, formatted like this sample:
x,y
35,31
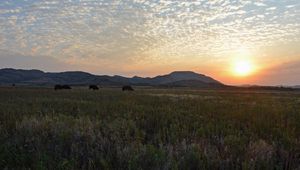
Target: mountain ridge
x,y
38,77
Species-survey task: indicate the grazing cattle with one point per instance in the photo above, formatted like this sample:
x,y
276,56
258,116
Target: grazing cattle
x,y
127,88
61,87
57,87
66,87
93,87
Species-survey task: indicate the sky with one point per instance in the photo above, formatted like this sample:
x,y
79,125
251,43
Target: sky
x,y
155,37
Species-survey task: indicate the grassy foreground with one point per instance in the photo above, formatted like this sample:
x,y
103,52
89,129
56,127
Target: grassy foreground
x,y
149,129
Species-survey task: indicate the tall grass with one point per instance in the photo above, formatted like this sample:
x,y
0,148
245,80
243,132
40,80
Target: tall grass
x,y
149,129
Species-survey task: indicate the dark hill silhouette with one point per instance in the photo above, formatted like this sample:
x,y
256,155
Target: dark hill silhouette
x,y
37,77
183,76
296,87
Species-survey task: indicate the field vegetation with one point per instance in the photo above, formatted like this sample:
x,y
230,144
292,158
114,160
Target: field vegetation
x,y
149,129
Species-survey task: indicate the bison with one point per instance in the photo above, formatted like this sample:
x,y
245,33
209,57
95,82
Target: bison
x,y
61,87
93,87
127,88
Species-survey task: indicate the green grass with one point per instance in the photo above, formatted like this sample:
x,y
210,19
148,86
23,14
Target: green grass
x,y
149,129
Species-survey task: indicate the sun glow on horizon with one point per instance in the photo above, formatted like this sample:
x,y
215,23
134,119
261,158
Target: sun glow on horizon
x,y
242,65
243,68
237,41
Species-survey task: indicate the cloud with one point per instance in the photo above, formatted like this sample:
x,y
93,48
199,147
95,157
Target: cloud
x,y
282,74
135,31
15,60
103,28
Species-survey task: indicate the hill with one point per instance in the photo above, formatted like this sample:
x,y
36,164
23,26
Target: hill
x,y
38,77
296,87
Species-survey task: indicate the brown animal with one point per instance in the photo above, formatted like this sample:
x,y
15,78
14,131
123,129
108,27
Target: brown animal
x,y
61,87
127,88
93,87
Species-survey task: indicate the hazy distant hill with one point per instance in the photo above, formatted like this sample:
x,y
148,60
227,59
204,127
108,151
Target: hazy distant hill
x,y
37,77
296,87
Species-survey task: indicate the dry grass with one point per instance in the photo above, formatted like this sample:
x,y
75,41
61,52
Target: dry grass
x,y
148,129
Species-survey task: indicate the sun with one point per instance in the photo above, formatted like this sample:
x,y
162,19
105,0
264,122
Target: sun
x,y
243,68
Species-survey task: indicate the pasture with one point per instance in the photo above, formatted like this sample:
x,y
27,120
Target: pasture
x,y
42,128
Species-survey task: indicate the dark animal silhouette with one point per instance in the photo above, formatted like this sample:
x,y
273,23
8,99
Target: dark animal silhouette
x,y
13,85
93,87
127,88
66,87
57,87
61,87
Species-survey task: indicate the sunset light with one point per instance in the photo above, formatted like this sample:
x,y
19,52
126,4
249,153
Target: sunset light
x,y
243,68
223,39
149,84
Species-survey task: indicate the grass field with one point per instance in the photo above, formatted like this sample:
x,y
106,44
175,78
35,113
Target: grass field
x,y
149,129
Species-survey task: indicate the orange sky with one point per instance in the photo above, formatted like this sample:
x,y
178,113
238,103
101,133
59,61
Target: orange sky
x,y
260,40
